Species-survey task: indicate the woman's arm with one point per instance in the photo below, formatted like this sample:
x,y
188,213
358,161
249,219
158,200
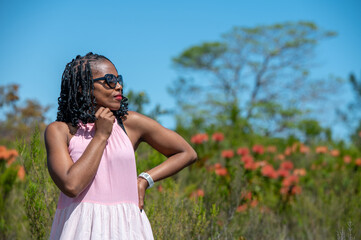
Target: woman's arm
x,y
178,152
72,178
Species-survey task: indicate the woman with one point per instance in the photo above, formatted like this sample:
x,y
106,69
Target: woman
x,y
90,154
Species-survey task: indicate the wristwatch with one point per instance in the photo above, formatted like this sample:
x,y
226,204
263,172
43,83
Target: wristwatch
x,y
147,177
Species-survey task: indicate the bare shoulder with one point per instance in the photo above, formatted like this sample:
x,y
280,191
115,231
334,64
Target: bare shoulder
x,y
59,130
138,120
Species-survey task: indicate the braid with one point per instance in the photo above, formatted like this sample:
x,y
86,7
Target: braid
x,y
76,101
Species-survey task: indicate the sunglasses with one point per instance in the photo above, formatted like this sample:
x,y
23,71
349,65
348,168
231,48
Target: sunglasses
x,y
111,80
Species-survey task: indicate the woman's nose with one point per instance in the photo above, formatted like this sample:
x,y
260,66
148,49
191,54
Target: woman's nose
x,y
118,86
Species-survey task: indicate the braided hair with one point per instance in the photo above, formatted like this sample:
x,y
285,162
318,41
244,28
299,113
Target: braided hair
x,y
76,101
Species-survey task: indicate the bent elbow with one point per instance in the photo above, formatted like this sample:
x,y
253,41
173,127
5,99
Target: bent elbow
x,y
71,191
193,156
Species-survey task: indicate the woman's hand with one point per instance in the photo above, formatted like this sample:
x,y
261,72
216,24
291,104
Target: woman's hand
x,y
142,186
104,122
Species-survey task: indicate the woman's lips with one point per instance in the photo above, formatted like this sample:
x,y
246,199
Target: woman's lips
x,y
118,97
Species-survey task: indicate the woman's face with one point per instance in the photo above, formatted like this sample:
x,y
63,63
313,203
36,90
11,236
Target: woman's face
x,y
104,95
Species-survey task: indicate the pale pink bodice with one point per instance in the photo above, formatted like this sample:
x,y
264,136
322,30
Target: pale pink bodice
x,y
116,178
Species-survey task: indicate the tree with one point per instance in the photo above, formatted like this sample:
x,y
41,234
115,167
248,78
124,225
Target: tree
x,y
250,70
137,102
19,121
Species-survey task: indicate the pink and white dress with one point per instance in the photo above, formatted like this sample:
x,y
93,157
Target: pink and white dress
x,y
108,207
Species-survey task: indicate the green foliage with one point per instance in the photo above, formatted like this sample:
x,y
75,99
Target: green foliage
x,y
201,57
138,101
260,75
41,192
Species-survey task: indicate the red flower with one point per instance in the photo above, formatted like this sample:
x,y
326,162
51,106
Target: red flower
x,y
217,166
283,172
296,190
218,137
248,196
321,149
287,165
247,158
268,171
242,151
227,153
258,149
347,159
196,194
199,138
335,153
221,171
242,208
290,180
358,162
250,166
254,203
160,188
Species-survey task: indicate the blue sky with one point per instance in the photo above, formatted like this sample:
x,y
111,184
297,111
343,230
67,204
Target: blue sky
x,y
39,37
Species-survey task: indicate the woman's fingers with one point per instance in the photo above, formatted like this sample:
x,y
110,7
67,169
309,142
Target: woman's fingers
x,y
141,192
104,122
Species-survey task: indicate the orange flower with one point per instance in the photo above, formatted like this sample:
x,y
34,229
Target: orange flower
x,y
358,162
347,159
4,154
2,149
200,193
13,153
280,157
221,171
296,190
299,172
304,149
10,161
261,163
321,149
258,149
335,153
242,208
271,149
199,138
160,188
227,153
290,180
288,165
217,166
21,173
248,196
196,194
254,203
218,137
268,171
242,151
288,151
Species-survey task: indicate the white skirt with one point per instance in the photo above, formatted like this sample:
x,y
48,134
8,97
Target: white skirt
x,y
95,221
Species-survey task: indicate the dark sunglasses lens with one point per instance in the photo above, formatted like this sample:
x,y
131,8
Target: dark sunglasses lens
x,y
112,80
